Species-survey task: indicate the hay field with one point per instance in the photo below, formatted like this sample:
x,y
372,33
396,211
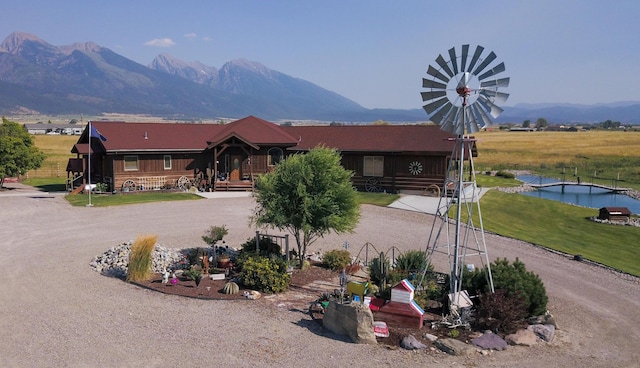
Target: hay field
x,y
605,152
57,150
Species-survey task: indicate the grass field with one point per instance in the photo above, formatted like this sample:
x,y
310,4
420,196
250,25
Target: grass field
x,y
57,150
608,154
561,227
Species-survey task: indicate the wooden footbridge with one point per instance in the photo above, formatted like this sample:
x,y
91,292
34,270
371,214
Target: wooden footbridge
x,y
582,184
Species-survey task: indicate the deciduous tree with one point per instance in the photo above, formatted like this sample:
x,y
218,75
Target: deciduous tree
x,y
309,195
18,154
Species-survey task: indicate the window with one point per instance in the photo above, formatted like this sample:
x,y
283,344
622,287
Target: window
x,y
167,162
373,166
130,163
274,156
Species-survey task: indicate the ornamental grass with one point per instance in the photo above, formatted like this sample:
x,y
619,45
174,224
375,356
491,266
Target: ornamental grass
x,y
141,258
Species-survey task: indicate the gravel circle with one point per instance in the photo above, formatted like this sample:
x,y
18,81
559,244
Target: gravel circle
x,y
57,311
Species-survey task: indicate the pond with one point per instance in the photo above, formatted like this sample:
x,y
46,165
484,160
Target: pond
x,y
579,195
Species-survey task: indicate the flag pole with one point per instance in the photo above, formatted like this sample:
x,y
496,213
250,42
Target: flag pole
x,y
89,167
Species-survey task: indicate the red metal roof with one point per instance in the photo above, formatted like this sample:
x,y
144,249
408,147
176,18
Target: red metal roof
x,y
371,138
123,136
175,137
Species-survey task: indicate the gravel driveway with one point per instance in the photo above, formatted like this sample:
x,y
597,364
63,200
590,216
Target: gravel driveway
x,y
57,311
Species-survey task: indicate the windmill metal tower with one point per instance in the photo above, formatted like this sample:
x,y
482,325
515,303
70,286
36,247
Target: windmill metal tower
x,y
461,95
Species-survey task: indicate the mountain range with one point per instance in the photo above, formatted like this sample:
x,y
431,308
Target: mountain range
x,y
85,78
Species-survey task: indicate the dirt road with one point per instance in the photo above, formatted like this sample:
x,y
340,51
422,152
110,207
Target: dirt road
x,y
57,311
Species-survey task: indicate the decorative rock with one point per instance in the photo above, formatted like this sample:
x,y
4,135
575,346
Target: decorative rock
x,y
522,337
545,332
354,320
546,319
430,337
411,343
115,261
489,341
454,347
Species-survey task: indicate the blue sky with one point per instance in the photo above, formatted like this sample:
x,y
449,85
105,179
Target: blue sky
x,y
373,52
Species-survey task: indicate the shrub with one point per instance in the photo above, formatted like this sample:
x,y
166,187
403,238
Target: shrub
x,y
413,260
193,273
501,311
194,255
395,276
214,234
140,258
267,246
336,259
505,174
265,274
513,279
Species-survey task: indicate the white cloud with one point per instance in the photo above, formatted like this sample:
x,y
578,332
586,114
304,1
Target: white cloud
x,y
190,35
207,39
160,42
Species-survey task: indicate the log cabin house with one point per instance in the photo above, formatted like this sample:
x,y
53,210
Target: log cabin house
x,y
217,157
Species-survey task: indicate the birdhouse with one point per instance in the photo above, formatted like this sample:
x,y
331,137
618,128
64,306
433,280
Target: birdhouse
x,y
401,310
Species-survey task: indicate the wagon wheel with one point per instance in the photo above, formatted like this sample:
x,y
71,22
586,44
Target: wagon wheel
x,y
432,190
373,185
184,183
129,185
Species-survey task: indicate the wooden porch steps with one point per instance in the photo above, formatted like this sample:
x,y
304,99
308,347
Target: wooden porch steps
x,y
228,186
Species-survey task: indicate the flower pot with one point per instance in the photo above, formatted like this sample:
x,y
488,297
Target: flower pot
x,y
223,262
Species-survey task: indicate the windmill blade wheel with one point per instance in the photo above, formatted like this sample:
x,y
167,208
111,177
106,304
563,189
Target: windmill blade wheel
x,y
129,185
373,185
184,183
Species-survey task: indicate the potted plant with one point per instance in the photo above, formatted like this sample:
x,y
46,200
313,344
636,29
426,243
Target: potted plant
x,y
224,261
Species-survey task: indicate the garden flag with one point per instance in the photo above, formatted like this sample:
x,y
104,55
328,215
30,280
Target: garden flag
x,y
93,132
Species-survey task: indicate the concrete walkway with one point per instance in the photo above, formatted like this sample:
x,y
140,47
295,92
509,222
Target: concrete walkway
x,y
426,204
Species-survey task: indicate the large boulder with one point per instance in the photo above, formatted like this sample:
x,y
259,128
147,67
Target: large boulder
x,y
353,319
489,341
522,337
411,343
454,347
545,332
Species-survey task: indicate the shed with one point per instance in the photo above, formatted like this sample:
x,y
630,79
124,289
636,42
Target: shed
x,y
621,214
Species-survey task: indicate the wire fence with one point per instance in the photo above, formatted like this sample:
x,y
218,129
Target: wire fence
x,y
48,170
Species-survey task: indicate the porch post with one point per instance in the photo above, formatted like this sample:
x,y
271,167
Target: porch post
x,y
215,168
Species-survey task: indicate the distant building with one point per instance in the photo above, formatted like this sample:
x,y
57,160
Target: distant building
x,y
618,214
65,129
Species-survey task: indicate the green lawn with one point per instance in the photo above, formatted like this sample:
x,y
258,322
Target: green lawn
x,y
378,199
47,184
561,227
104,200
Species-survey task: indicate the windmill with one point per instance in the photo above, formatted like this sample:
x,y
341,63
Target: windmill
x,y
461,96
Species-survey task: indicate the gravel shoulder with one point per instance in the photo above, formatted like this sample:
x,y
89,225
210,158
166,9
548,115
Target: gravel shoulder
x,y
57,311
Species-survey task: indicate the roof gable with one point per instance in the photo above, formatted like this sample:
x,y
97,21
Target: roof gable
x,y
253,131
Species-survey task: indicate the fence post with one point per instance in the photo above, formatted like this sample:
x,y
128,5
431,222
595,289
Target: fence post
x,y
257,242
286,246
366,254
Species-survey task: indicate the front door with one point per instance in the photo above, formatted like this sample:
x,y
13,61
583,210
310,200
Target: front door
x,y
236,167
